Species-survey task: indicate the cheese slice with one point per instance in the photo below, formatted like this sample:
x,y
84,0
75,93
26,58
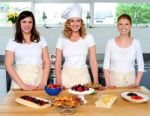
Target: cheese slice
x,y
106,101
28,102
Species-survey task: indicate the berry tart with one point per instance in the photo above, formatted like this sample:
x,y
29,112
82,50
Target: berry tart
x,y
33,102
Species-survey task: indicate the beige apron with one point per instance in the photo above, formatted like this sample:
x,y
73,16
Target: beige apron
x,y
73,76
30,74
122,79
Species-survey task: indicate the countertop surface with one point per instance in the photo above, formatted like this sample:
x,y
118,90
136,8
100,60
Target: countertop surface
x,y
121,107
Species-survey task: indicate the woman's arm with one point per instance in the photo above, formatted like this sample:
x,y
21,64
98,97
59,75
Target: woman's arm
x,y
106,65
107,77
140,63
93,63
9,59
46,67
58,65
138,78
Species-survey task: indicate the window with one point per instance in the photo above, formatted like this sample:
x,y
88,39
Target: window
x,y
139,12
50,13
104,13
107,13
9,7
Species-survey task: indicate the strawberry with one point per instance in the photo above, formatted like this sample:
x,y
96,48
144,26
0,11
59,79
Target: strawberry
x,y
136,97
86,88
80,89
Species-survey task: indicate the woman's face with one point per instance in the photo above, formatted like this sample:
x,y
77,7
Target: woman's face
x,y
26,25
75,24
124,26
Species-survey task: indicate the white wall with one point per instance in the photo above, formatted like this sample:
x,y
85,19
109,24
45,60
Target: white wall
x,y
101,34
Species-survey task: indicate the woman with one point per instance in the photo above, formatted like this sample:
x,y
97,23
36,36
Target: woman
x,y
120,56
30,53
74,46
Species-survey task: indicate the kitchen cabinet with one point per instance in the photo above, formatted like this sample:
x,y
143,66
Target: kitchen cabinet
x,y
100,76
146,78
3,86
52,77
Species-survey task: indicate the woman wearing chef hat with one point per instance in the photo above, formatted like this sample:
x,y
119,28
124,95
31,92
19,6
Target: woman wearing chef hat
x,y
74,45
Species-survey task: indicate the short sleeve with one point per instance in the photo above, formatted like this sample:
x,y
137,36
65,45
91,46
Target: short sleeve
x,y
59,43
10,45
91,40
43,42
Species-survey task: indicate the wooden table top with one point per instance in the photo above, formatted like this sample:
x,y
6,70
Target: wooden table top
x,y
120,108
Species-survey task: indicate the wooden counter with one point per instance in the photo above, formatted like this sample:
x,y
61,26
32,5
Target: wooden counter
x,y
120,108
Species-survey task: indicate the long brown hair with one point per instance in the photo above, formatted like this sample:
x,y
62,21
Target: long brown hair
x,y
126,16
67,30
34,33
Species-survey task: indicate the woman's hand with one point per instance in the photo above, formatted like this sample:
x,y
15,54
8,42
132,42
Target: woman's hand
x,y
28,87
132,86
65,88
110,86
41,85
101,87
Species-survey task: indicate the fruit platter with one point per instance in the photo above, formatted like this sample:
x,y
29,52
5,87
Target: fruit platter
x,y
33,101
81,91
135,97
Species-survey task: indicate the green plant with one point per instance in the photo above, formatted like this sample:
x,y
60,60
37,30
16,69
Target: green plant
x,y
12,17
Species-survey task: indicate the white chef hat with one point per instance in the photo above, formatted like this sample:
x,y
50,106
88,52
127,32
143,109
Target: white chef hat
x,y
74,10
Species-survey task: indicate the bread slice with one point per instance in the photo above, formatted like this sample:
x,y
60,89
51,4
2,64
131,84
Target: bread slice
x,y
33,102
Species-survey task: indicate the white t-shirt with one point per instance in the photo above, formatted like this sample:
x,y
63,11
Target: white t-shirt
x,y
27,53
123,59
75,53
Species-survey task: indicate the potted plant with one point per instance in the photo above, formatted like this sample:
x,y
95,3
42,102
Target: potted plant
x,y
12,17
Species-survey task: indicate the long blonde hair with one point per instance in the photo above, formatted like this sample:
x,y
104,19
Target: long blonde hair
x,y
67,30
126,16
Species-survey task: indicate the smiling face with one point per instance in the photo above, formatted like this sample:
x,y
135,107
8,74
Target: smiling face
x,y
75,24
124,26
26,25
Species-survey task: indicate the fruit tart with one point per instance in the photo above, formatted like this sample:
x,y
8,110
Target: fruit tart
x,y
33,102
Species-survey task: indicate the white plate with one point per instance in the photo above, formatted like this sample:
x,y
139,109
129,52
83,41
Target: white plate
x,y
81,93
125,96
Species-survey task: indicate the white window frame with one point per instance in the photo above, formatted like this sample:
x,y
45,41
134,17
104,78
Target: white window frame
x,y
33,2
